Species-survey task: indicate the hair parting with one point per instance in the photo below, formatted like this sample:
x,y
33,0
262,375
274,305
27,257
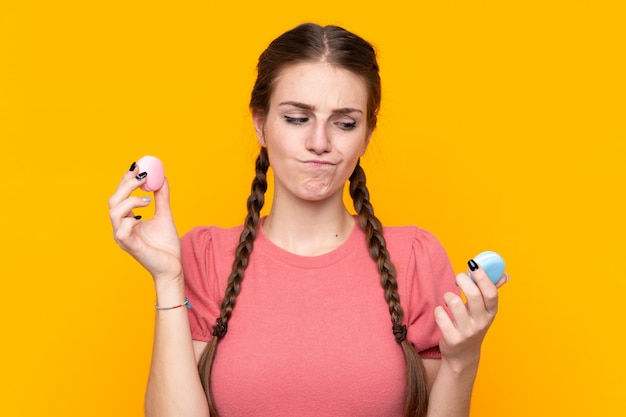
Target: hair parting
x,y
416,391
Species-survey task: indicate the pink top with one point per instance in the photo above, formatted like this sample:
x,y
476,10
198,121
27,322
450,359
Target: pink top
x,y
311,336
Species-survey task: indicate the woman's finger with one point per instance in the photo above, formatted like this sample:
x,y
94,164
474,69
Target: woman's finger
x,y
487,296
445,323
162,201
458,310
129,183
125,209
124,235
503,280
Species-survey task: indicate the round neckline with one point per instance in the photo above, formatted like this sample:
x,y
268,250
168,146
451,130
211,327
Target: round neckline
x,y
268,248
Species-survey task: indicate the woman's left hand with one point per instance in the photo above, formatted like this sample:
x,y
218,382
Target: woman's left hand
x,y
463,333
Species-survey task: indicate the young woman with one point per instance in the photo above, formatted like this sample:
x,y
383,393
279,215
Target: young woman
x,y
309,311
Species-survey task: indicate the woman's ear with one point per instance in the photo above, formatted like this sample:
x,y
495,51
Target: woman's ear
x,y
367,141
258,119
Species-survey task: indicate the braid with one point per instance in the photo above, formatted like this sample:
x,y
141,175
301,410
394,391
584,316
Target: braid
x,y
242,256
417,394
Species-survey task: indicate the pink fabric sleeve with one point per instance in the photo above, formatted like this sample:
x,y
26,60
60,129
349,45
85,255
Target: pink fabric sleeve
x,y
201,285
429,276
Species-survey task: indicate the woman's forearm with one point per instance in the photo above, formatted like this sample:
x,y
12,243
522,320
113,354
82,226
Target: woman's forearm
x,y
451,392
174,387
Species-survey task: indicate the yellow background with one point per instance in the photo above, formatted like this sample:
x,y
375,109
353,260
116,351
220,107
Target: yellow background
x,y
502,128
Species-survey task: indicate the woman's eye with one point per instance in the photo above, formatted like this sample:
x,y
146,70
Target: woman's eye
x,y
296,120
346,125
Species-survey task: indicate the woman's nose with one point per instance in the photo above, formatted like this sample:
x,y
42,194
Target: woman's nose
x,y
319,141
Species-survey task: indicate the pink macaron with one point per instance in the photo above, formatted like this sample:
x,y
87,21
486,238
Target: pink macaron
x,y
156,174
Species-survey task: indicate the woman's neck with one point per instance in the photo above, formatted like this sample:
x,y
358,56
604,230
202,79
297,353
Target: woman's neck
x,y
308,228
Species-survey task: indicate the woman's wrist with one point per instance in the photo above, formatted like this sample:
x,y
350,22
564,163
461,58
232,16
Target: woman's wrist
x,y
170,291
461,367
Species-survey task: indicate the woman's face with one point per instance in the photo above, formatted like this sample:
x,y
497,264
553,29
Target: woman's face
x,y
315,129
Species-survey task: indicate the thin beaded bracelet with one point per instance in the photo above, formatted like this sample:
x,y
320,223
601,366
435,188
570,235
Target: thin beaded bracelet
x,y
185,304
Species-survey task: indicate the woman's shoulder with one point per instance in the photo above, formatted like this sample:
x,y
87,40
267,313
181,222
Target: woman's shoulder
x,y
411,241
207,253
410,233
203,236
201,231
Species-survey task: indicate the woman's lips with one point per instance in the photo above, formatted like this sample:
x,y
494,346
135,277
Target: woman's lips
x,y
318,163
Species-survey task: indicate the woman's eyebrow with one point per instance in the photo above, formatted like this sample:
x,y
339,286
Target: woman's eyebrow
x,y
297,104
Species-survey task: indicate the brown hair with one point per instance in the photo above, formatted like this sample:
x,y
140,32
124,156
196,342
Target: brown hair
x,y
313,43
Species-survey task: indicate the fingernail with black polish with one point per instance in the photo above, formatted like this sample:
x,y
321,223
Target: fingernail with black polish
x,y
473,266
137,217
141,176
133,166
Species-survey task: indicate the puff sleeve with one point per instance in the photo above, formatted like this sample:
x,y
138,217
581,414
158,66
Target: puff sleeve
x,y
423,278
206,266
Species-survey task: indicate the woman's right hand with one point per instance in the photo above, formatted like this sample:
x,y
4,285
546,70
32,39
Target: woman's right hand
x,y
154,243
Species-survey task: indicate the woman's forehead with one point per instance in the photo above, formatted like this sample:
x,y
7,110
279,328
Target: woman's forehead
x,y
320,85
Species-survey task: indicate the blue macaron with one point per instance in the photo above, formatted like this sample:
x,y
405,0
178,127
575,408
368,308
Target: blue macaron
x,y
491,263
